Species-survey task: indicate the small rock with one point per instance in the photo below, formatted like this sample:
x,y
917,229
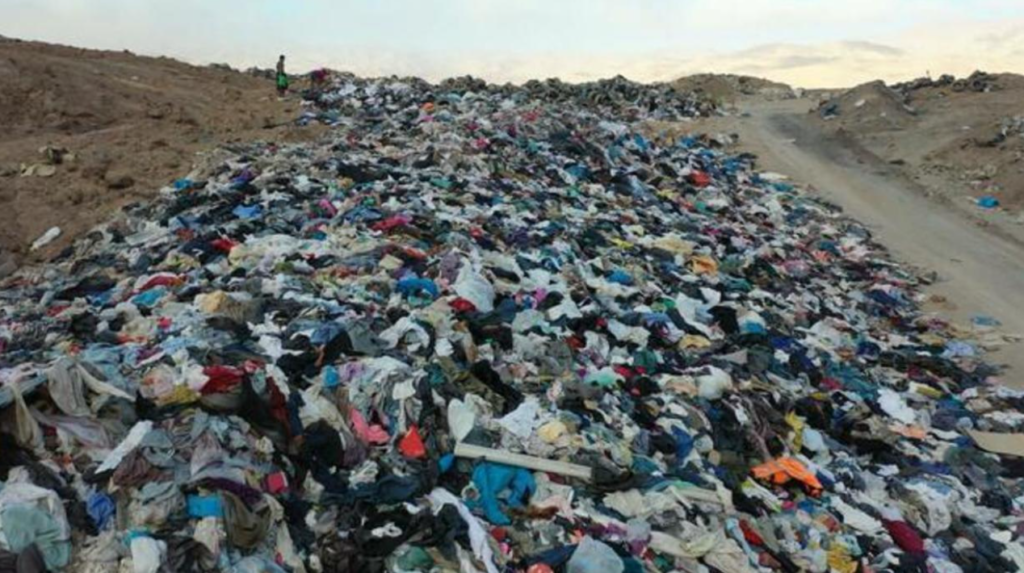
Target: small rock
x,y
8,264
56,155
117,180
38,170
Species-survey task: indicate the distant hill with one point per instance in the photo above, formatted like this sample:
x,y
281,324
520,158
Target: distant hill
x,y
726,88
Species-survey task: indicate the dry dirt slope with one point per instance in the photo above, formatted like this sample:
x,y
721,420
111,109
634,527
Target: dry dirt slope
x,y
961,142
133,124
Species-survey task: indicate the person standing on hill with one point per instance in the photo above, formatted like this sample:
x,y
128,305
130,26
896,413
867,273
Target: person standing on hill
x,y
282,77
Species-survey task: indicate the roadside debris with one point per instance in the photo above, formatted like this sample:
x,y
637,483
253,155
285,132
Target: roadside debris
x,y
48,237
52,157
988,202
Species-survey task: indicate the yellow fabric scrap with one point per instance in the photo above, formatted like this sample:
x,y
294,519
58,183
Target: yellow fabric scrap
x,y
179,395
797,423
703,265
674,244
839,560
694,341
551,431
926,391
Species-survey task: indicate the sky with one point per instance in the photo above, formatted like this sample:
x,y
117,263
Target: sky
x,y
807,43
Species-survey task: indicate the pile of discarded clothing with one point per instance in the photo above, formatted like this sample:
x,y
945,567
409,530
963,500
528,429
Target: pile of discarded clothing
x,y
492,329
617,97
978,81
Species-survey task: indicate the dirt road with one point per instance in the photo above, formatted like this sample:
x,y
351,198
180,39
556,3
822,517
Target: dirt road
x,y
980,273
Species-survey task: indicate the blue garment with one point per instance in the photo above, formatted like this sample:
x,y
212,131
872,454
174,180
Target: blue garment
x,y
988,202
247,211
101,509
325,333
684,444
150,297
620,277
491,480
446,462
330,377
413,286
200,506
752,327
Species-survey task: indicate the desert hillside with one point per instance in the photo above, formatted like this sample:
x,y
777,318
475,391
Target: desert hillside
x,y
962,138
84,132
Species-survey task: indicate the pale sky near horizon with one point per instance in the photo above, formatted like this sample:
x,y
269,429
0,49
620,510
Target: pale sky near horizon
x,y
807,43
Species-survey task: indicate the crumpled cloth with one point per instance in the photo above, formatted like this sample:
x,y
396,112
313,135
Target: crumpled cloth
x,y
246,528
25,526
782,470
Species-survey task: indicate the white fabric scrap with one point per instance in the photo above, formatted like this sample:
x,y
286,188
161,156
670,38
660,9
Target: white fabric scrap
x,y
130,442
477,535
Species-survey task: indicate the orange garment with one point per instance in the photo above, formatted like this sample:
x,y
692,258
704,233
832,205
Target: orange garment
x,y
915,432
703,265
782,470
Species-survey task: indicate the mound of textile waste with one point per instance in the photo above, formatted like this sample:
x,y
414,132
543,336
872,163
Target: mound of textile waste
x,y
483,328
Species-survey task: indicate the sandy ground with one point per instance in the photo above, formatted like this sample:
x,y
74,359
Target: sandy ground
x,y
934,139
133,124
980,271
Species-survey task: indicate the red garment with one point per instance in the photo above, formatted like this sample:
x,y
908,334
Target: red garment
x,y
414,253
160,280
278,404
223,244
750,535
700,179
624,371
411,445
276,483
575,343
905,536
462,305
221,379
392,222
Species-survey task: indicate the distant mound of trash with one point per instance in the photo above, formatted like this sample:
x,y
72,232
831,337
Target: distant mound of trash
x,y
872,105
727,88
